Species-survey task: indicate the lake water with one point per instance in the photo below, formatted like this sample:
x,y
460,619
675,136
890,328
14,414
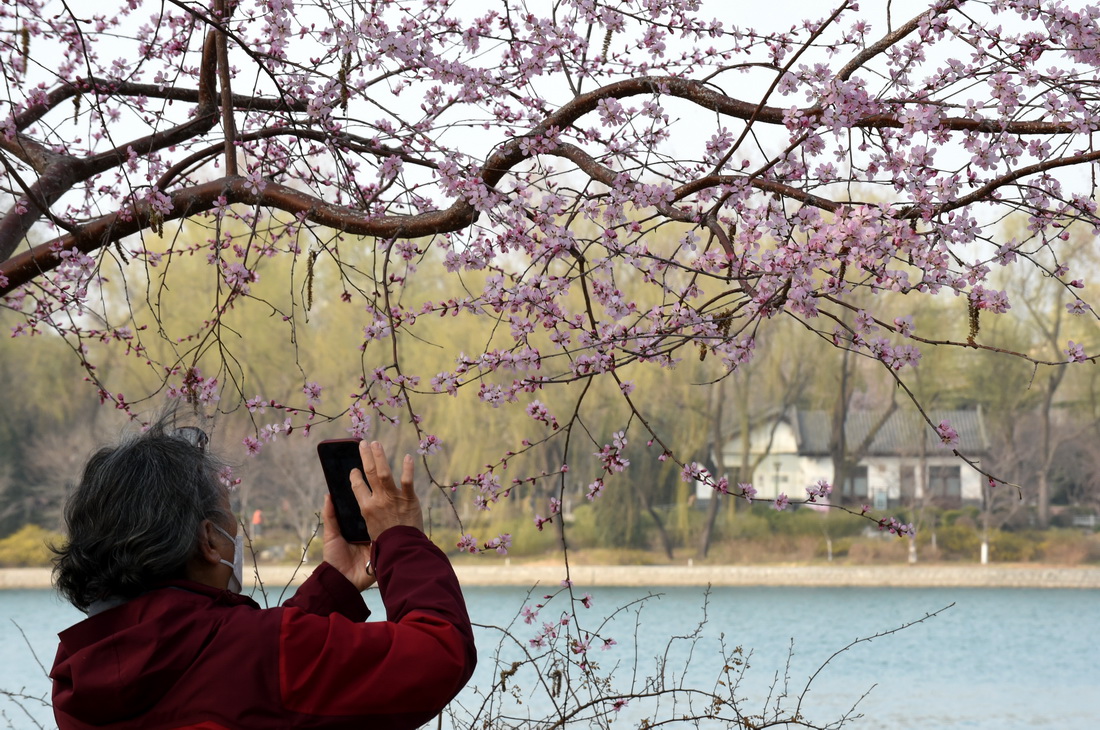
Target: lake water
x,y
998,658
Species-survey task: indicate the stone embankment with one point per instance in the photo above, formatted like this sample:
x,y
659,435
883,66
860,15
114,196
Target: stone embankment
x,y
891,576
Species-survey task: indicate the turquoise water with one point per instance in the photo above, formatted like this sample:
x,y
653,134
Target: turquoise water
x,y
998,658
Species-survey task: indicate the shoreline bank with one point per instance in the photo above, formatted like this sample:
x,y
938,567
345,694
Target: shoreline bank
x,y
814,576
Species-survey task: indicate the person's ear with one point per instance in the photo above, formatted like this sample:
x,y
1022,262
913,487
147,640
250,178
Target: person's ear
x,y
208,543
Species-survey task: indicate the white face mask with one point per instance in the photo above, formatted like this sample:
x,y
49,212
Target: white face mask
x,y
235,580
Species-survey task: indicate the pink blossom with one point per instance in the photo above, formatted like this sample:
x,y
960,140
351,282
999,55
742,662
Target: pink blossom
x,y
821,489
538,411
430,444
611,112
904,325
865,322
781,502
227,478
693,472
255,183
948,435
1075,352
467,544
500,543
895,527
1078,306
312,392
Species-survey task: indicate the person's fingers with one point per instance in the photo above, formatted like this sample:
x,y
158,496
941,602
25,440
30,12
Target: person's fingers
x,y
407,476
359,487
381,468
366,455
328,517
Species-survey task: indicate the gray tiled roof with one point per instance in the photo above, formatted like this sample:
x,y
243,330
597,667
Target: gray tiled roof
x,y
901,435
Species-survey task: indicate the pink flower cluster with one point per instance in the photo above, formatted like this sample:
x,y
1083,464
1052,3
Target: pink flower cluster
x,y
821,489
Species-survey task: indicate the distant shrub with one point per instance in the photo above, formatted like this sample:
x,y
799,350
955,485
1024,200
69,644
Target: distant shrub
x,y
803,521
528,539
958,541
1012,547
596,528
1092,549
871,551
965,517
748,525
28,547
1067,547
841,548
842,524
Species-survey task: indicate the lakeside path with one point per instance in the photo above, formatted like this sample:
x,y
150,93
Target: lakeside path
x,y
888,576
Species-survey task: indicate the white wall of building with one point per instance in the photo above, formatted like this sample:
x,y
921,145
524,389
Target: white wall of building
x,y
784,471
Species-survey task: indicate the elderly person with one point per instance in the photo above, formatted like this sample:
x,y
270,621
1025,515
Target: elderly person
x,y
154,558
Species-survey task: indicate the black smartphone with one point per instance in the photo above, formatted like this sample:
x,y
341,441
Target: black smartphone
x,y
338,458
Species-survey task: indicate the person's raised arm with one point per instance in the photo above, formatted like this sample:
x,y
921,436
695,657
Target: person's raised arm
x,y
422,655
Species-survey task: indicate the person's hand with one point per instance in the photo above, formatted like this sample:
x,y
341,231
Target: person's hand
x,y
350,559
385,504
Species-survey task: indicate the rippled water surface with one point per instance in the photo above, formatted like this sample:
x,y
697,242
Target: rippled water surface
x,y
998,658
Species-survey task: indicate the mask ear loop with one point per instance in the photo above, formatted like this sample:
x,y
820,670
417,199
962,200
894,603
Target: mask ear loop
x,y
370,569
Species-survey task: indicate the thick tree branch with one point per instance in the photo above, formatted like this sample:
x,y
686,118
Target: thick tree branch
x,y
198,199
987,191
65,171
229,126
14,228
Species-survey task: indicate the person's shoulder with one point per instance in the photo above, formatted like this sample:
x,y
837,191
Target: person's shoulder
x,y
192,592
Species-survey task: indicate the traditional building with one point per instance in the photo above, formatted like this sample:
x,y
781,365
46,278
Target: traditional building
x,y
905,461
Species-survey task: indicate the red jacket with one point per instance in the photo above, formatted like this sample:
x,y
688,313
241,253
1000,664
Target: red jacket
x,y
185,655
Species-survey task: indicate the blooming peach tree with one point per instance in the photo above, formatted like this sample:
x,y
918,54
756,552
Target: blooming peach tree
x,y
817,170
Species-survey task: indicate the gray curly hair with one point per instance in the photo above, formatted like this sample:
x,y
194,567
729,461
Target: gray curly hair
x,y
133,520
